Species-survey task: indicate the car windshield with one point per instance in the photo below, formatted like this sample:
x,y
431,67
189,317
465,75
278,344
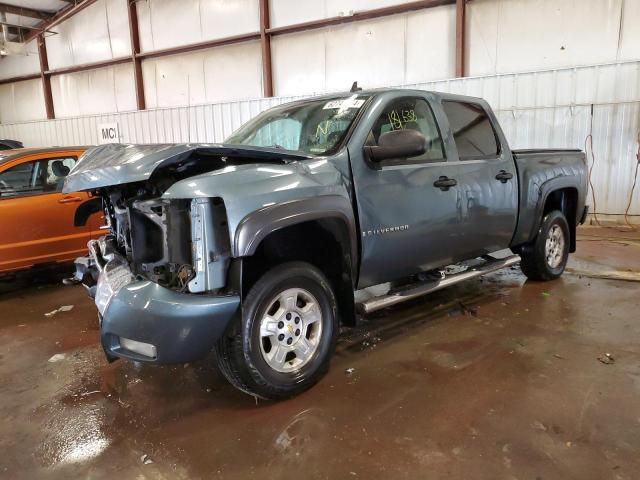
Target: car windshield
x,y
315,127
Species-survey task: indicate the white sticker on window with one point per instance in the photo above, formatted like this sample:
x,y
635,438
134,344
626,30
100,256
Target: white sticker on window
x,y
343,104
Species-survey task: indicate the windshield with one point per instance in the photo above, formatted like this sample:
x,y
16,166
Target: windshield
x,y
315,127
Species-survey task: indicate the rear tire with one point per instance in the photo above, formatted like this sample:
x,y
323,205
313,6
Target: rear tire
x,y
283,343
546,257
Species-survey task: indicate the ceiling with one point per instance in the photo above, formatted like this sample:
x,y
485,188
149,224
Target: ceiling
x,y
23,14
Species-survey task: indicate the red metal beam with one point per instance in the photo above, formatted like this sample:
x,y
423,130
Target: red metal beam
x,y
89,66
246,37
461,13
45,77
135,50
265,42
21,78
360,15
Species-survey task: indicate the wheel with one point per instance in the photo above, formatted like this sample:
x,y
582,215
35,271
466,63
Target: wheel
x,y
284,340
546,257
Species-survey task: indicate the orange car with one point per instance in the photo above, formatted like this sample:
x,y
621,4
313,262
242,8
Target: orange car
x,y
36,218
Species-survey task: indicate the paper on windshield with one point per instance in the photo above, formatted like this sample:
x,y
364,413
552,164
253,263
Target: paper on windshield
x,y
344,103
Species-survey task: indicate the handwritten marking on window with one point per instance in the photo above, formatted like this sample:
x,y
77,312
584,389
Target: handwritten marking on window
x,y
399,120
323,128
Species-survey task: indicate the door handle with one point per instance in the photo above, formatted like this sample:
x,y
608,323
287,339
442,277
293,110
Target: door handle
x,y
445,183
503,176
70,200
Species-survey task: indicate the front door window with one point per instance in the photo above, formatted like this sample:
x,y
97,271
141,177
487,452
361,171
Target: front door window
x,y
410,113
22,180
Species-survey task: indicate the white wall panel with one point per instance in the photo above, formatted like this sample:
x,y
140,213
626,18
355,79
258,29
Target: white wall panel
x,y
21,101
370,52
118,25
298,63
412,47
224,18
430,44
224,73
289,12
99,32
169,23
630,35
109,89
512,35
18,65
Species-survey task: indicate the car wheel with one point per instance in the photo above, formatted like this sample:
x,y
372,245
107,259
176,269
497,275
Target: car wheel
x,y
546,257
283,341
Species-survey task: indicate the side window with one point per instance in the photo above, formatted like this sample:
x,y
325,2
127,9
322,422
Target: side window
x,y
472,130
410,114
57,170
22,180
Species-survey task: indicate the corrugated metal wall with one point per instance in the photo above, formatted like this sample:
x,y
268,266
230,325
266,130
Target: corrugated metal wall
x,y
554,108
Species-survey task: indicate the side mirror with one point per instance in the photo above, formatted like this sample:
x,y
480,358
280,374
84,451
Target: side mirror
x,y
397,144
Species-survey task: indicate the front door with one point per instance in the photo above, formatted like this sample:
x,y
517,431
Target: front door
x,y
37,218
407,223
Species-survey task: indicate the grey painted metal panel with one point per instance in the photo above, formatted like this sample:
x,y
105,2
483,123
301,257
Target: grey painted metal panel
x,y
181,326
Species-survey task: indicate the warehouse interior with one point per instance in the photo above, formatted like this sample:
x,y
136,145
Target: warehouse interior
x,y
500,376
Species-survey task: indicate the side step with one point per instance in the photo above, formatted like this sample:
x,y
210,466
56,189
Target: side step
x,y
417,290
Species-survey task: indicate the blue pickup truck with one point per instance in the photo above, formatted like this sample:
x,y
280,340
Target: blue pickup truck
x,y
260,247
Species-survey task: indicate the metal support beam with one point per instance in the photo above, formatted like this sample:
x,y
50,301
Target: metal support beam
x,y
83,67
360,15
245,37
25,12
265,42
21,78
62,15
461,13
135,50
45,77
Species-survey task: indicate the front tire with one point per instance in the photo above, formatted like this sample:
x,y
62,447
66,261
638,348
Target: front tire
x,y
546,257
283,343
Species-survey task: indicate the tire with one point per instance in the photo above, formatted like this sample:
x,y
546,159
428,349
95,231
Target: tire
x,y
265,357
540,263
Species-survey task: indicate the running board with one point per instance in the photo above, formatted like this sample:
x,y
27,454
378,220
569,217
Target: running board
x,y
417,290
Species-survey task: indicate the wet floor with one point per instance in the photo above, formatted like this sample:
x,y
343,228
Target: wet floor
x,y
495,378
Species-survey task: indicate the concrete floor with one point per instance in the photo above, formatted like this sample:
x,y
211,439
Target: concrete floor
x,y
495,378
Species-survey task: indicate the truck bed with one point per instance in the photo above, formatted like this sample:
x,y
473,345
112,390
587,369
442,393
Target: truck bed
x,y
539,172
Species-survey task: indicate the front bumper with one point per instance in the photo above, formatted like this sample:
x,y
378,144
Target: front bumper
x,y
143,321
182,327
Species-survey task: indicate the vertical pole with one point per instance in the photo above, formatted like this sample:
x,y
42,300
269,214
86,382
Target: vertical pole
x,y
461,12
265,41
45,77
134,33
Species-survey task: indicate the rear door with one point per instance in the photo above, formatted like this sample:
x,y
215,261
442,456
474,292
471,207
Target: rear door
x,y
37,218
485,175
408,224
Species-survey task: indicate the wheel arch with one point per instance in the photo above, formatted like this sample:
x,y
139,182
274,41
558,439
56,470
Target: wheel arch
x,y
318,230
559,194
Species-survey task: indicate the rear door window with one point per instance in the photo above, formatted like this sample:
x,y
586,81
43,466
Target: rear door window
x,y
472,130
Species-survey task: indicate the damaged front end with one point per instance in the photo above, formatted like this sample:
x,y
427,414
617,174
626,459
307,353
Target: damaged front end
x,y
162,290
162,277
